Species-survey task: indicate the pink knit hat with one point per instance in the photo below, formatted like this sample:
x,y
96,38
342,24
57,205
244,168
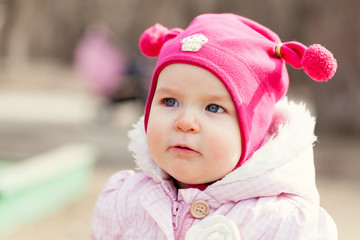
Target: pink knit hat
x,y
247,57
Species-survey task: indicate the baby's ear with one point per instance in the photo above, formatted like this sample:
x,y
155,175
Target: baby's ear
x,y
153,38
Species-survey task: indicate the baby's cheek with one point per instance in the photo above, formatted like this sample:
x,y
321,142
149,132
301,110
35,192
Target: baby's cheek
x,y
152,140
216,145
227,148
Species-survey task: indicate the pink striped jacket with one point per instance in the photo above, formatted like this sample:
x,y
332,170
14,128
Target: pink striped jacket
x,y
272,196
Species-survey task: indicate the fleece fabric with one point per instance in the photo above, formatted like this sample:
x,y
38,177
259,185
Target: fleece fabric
x,y
247,57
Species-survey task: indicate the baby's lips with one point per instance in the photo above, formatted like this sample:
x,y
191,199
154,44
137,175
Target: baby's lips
x,y
184,147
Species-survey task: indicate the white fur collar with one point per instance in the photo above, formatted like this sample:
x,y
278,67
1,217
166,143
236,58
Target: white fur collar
x,y
139,148
298,131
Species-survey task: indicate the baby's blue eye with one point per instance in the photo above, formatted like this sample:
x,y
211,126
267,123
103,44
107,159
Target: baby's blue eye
x,y
170,102
215,108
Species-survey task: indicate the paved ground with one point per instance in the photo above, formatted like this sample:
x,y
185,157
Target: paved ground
x,y
30,124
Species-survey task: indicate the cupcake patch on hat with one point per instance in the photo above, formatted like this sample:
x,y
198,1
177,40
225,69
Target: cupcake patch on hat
x,y
193,43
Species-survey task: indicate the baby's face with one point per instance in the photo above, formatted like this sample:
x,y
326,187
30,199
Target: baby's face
x,y
193,132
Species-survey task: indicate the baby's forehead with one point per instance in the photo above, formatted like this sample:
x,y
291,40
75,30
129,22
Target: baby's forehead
x,y
180,72
178,78
187,72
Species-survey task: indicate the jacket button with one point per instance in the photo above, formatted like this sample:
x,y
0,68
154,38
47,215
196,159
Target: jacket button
x,y
199,209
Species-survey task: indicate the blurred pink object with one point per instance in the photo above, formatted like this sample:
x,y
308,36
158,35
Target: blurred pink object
x,y
99,61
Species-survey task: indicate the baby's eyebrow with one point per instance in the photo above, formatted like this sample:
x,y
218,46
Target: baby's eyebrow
x,y
216,97
165,90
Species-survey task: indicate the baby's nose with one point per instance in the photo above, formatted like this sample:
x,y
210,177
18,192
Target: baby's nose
x,y
187,122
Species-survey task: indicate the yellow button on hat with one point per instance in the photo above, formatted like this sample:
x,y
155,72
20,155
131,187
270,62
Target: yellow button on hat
x,y
199,209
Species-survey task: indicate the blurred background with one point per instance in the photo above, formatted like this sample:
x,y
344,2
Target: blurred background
x,y
71,72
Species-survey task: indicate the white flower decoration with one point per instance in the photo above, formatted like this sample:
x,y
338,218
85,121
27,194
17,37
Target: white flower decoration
x,y
215,227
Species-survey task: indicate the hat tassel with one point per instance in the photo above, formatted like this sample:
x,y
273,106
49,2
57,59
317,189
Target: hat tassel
x,y
318,62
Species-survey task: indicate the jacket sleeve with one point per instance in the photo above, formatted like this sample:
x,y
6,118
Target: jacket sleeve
x,y
104,223
299,219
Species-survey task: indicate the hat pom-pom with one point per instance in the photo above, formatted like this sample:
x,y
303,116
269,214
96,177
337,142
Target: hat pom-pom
x,y
319,63
152,40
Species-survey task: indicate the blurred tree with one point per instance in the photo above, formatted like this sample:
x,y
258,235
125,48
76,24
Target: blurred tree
x,y
51,28
7,18
43,28
338,103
